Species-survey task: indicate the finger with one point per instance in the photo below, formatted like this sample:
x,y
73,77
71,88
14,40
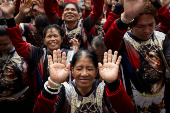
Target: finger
x,y
21,2
100,65
55,56
3,1
0,2
8,0
105,58
118,60
50,59
68,66
58,56
14,2
114,57
30,4
63,60
110,56
40,1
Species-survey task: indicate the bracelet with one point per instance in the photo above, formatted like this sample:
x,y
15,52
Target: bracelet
x,y
52,88
45,87
53,82
124,19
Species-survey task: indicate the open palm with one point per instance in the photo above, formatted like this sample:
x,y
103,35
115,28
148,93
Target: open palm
x,y
58,70
25,6
109,70
6,7
40,4
134,7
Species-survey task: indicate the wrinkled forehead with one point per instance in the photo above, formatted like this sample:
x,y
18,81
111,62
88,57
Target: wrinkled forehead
x,y
70,6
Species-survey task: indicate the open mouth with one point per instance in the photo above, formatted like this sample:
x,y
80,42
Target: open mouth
x,y
53,44
70,16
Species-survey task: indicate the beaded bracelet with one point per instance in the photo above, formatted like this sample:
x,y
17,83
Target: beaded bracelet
x,y
53,82
124,19
45,87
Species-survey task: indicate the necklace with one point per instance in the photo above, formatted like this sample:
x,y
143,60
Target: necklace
x,y
73,33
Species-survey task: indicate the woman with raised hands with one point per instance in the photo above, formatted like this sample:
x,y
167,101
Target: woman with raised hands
x,y
84,93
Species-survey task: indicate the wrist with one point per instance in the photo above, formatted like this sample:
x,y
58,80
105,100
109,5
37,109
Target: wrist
x,y
9,16
126,19
53,84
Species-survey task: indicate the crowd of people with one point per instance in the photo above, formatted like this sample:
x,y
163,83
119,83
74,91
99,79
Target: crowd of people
x,y
84,56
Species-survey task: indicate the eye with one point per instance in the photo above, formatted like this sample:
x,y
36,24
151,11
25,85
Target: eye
x,y
151,25
78,69
90,69
139,26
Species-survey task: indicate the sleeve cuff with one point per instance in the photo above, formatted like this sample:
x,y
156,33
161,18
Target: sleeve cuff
x,y
113,86
121,25
117,9
54,1
110,6
11,22
60,7
48,95
157,4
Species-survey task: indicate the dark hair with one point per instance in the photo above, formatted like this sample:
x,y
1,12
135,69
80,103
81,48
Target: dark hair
x,y
75,4
3,21
3,31
98,43
41,21
57,27
88,54
149,9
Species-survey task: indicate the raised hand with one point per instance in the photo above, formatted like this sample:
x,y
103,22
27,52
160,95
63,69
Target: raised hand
x,y
76,43
133,7
57,68
87,4
109,70
25,6
40,6
61,2
7,8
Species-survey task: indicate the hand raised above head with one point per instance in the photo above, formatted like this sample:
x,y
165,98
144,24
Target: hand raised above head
x,y
25,6
109,70
40,4
57,68
133,7
7,8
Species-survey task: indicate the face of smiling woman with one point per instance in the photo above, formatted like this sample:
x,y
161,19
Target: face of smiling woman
x,y
53,39
84,73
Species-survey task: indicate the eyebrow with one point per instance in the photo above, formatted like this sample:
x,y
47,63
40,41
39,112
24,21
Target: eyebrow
x,y
145,24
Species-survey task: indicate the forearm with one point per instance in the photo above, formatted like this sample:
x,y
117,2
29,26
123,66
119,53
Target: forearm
x,y
15,35
50,11
108,10
120,99
163,18
96,12
114,35
19,18
86,13
17,6
115,14
44,105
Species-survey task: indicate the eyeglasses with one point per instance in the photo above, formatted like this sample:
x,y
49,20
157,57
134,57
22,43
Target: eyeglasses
x,y
34,10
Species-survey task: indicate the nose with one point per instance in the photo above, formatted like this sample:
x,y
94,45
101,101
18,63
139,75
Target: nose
x,y
84,72
146,29
53,38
